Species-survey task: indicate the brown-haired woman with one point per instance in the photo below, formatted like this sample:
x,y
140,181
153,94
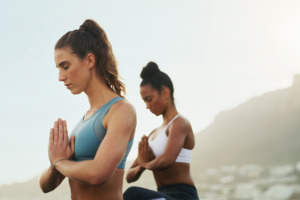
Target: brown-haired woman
x,y
94,157
168,149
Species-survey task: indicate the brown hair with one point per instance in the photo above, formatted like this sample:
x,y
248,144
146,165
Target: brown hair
x,y
91,38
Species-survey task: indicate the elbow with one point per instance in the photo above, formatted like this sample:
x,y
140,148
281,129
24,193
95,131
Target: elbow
x,y
130,179
97,179
166,164
44,188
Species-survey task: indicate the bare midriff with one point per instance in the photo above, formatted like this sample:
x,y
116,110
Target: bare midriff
x,y
111,190
177,173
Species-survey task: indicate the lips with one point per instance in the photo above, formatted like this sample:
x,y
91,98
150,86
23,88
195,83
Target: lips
x,y
68,85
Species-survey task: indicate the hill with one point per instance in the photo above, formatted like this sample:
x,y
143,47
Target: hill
x,y
264,130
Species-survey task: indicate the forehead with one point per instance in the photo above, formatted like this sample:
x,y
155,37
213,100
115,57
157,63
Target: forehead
x,y
147,89
63,55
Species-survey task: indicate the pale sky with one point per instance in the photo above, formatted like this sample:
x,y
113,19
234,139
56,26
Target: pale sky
x,y
218,54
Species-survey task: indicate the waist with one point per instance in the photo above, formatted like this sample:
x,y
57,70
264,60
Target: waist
x,y
177,173
112,189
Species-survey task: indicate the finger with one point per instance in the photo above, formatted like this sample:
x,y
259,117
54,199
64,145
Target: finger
x,y
145,139
73,144
140,147
60,131
144,144
51,137
141,139
55,138
65,131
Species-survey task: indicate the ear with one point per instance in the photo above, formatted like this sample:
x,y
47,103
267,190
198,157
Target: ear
x,y
165,92
91,60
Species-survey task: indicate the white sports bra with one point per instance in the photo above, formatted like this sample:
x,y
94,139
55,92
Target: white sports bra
x,y
160,141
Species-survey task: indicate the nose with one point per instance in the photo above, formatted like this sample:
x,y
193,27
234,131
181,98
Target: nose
x,y
61,75
148,105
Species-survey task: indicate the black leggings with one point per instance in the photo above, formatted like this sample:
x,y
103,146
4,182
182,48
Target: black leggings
x,y
168,192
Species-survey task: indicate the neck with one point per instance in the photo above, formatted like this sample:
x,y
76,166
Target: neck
x,y
170,113
98,92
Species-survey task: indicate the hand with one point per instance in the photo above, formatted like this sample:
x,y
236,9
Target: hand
x,y
59,145
145,153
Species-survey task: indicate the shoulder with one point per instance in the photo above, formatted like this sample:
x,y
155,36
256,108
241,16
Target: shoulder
x,y
181,124
123,106
124,110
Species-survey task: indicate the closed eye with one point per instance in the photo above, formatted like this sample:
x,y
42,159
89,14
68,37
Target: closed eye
x,y
148,100
65,68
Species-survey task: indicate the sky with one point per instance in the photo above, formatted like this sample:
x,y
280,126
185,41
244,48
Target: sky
x,y
218,54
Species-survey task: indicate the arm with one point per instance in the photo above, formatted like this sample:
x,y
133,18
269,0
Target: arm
x,y
176,139
134,172
50,179
121,123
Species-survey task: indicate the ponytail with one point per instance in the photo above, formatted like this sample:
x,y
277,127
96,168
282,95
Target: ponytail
x,y
91,38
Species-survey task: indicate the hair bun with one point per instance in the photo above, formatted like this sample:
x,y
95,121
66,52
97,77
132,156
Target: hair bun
x,y
90,26
150,70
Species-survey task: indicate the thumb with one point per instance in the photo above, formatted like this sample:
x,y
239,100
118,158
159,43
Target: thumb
x,y
72,143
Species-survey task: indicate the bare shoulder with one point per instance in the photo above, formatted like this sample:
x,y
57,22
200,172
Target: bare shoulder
x,y
181,124
123,108
121,112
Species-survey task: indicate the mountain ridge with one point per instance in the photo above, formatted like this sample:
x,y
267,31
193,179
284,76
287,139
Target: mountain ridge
x,y
262,130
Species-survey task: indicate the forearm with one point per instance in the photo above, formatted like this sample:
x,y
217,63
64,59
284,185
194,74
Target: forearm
x,y
50,179
134,173
159,163
84,171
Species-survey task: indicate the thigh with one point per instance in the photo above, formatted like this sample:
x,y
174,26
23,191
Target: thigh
x,y
138,193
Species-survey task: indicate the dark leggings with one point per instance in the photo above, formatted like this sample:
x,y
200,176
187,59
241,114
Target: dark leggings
x,y
168,192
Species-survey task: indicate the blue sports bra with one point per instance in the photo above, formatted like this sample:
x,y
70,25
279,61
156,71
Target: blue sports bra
x,y
90,133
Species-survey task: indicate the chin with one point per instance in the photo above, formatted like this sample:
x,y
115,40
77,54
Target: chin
x,y
155,113
75,92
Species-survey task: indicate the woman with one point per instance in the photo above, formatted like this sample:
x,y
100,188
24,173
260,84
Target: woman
x,y
95,157
168,149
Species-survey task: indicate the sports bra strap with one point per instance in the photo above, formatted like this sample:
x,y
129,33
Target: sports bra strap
x,y
170,122
107,106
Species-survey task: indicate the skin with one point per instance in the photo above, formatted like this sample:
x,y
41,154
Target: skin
x,y
98,178
165,170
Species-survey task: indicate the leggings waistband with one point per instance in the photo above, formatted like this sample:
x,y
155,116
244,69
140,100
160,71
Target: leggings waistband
x,y
175,185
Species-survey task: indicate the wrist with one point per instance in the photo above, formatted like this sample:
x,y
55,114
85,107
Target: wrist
x,y
142,166
55,162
